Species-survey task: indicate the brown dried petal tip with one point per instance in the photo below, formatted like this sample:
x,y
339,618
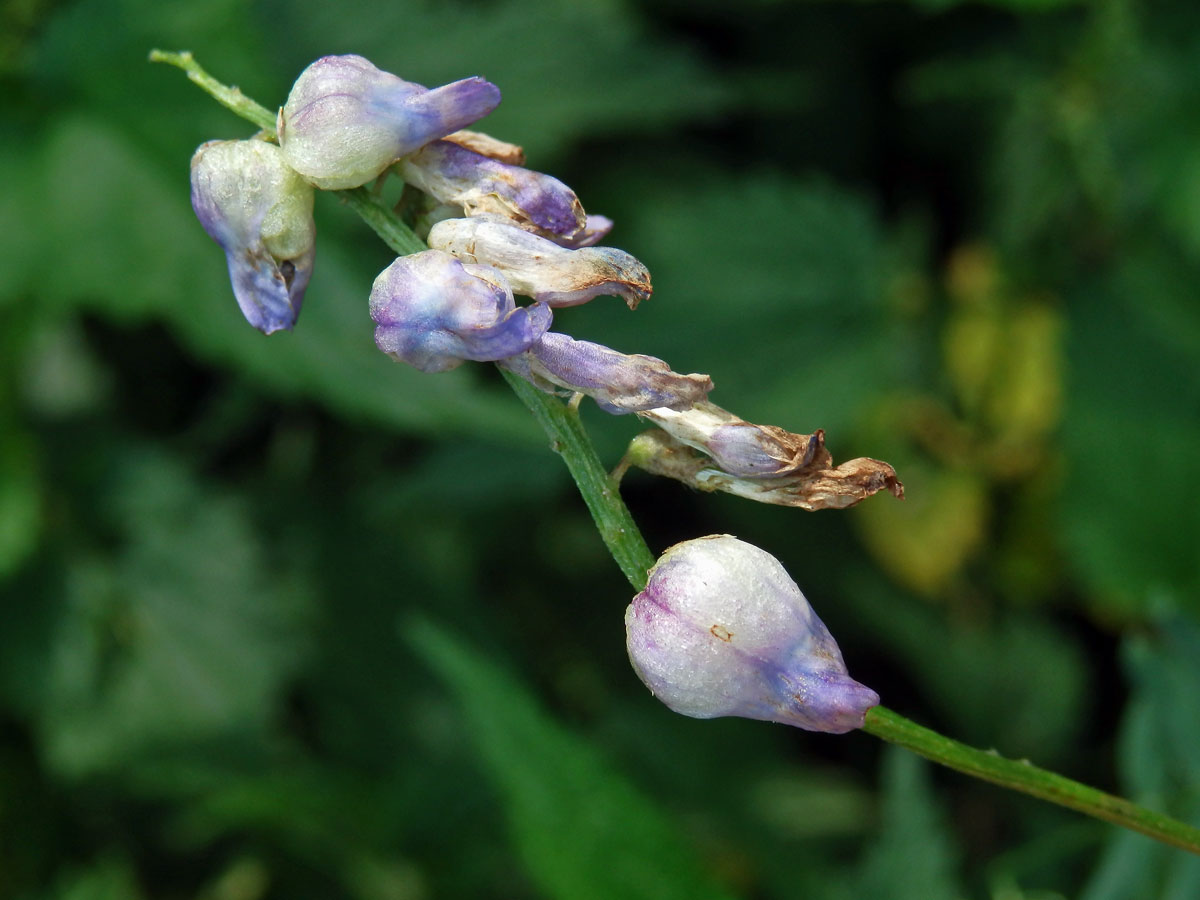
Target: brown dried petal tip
x,y
819,485
486,145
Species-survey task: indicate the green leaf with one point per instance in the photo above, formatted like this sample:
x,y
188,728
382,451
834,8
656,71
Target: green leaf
x,y
179,634
1018,685
1014,5
108,879
20,496
1158,764
913,858
584,831
1130,435
775,286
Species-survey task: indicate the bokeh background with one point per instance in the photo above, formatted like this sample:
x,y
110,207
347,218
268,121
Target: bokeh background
x,y
280,618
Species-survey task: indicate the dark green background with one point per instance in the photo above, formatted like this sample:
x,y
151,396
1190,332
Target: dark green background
x,y
282,619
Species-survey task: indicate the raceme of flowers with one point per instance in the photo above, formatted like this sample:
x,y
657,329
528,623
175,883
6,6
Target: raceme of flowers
x,y
497,231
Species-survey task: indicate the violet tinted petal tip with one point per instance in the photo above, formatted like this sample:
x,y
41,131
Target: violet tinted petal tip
x,y
619,383
595,229
268,293
438,112
741,448
482,186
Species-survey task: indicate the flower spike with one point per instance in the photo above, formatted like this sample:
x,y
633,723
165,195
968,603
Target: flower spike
x,y
433,313
722,630
345,121
260,212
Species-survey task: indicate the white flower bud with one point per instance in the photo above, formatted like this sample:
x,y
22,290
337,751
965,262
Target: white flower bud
x,y
722,630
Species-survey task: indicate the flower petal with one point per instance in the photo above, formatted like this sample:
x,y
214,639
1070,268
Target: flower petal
x,y
433,313
819,486
486,187
619,383
260,212
539,268
739,447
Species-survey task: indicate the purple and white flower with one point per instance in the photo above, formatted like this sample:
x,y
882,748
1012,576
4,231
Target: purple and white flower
x,y
345,120
433,312
486,187
722,630
537,267
260,212
618,382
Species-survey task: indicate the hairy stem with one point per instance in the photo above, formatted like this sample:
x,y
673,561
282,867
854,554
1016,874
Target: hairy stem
x,y
568,439
226,95
627,546
383,221
1021,775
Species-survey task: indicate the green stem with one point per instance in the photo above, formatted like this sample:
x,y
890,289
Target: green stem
x,y
627,546
394,233
391,230
231,97
568,439
1021,775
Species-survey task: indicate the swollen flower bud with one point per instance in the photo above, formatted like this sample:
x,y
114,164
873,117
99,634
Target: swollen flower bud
x,y
483,186
619,383
537,267
260,212
433,313
345,121
722,630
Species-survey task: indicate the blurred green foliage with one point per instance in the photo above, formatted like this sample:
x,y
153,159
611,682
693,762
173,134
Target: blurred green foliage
x,y
279,618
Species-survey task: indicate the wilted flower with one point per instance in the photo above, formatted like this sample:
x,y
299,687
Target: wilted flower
x,y
739,447
759,462
619,383
538,268
722,630
483,186
260,212
816,485
433,312
345,121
